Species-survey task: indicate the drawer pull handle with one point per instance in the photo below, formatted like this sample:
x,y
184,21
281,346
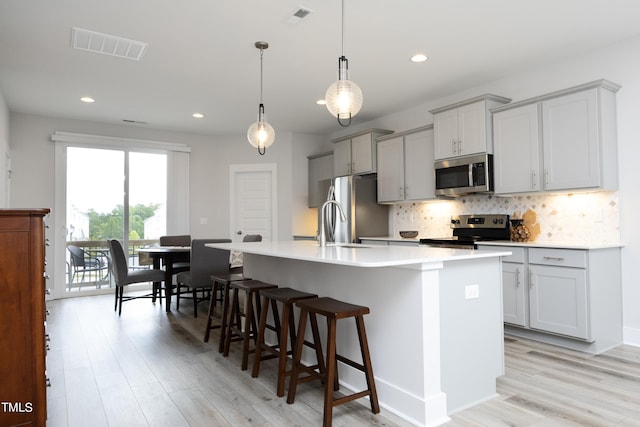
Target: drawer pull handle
x,y
517,277
553,258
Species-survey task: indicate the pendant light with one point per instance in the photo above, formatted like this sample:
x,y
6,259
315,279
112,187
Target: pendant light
x,y
344,97
261,134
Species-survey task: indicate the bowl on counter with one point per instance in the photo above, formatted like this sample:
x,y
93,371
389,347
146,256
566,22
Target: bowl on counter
x,y
408,234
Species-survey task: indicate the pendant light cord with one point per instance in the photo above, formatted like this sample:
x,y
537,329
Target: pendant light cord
x,y
343,28
261,52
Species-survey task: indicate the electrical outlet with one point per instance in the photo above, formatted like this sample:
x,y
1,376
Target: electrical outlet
x,y
204,221
472,291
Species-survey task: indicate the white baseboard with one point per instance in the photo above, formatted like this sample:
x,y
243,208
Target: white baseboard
x,y
631,336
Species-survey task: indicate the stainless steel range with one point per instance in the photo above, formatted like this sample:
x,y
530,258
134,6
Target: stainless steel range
x,y
469,229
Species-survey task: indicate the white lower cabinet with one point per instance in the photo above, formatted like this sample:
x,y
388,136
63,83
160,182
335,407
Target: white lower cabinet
x,y
569,297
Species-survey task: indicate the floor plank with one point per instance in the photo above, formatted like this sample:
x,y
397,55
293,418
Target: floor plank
x,y
148,367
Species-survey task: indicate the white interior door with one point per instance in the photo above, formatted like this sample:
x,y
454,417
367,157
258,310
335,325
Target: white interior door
x,y
253,201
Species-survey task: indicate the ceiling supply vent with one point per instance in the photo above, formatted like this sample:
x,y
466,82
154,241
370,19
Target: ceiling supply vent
x,y
106,44
299,15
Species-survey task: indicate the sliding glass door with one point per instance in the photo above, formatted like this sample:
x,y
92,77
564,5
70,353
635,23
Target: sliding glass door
x,y
111,193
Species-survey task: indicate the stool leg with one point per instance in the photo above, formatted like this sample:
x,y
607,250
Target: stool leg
x,y
228,333
366,361
249,328
261,327
317,343
331,372
297,354
282,356
212,305
225,317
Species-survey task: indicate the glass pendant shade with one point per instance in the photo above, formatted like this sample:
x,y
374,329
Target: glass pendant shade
x,y
344,100
261,134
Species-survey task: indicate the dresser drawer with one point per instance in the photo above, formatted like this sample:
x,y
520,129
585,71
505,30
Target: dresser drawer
x,y
559,257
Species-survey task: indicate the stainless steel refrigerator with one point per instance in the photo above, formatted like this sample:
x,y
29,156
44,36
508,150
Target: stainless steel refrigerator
x,y
358,196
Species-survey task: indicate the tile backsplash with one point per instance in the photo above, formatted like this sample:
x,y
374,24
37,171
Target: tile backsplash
x,y
579,217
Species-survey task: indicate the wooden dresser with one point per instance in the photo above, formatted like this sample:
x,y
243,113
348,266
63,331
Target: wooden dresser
x,y
22,318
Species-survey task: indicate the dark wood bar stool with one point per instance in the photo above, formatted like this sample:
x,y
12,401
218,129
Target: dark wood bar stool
x,y
235,331
287,297
220,293
333,310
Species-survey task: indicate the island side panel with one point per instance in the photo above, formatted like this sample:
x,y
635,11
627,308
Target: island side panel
x,y
472,335
396,331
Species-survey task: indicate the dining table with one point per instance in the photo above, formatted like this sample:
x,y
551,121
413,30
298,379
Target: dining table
x,y
166,256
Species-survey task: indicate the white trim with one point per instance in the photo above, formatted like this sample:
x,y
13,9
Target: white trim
x,y
112,141
254,167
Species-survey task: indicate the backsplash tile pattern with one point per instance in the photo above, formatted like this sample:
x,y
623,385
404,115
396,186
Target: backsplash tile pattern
x,y
579,217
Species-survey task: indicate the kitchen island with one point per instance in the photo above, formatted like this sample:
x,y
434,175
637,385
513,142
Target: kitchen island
x,y
435,328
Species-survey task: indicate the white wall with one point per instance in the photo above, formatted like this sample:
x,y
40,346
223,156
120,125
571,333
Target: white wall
x,y
619,63
4,152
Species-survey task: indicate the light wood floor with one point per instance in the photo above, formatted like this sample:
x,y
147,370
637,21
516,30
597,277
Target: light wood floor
x,y
150,368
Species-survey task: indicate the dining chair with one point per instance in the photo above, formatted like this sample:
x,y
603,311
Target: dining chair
x,y
205,262
124,276
177,240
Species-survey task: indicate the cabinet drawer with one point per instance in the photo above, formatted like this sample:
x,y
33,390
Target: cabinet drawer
x,y
517,254
560,257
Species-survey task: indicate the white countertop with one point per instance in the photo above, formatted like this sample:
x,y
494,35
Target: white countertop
x,y
554,245
356,255
542,244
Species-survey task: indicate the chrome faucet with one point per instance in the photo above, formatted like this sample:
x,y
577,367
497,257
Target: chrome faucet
x,y
323,236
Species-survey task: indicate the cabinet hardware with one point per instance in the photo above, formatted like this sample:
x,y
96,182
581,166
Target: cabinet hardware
x,y
553,258
47,291
48,382
533,180
530,279
517,277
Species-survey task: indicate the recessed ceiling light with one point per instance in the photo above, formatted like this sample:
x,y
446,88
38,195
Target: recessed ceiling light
x,y
198,115
321,102
419,58
87,99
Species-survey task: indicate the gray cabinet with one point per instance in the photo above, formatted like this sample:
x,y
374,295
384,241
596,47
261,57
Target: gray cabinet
x,y
320,169
464,128
565,140
568,297
405,166
356,154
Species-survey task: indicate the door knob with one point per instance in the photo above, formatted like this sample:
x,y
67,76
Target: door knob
x,y
238,232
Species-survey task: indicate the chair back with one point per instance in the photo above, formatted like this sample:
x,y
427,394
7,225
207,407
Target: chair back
x,y
119,266
252,238
178,240
206,261
77,255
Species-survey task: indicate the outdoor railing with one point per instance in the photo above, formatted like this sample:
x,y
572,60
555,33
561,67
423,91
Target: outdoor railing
x,y
97,270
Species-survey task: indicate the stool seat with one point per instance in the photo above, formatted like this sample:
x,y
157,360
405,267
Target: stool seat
x,y
285,324
332,310
235,331
220,281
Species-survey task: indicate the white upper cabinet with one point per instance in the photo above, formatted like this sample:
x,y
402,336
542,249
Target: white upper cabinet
x,y
320,169
561,141
464,128
356,154
405,166
516,147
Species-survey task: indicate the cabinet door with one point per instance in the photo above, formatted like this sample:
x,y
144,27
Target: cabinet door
x,y
472,128
363,154
320,169
342,158
445,127
513,294
516,148
419,177
391,170
570,141
558,300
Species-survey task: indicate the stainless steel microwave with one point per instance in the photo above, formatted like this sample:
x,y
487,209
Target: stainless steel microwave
x,y
464,175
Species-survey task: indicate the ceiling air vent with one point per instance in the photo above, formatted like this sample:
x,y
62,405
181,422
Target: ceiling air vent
x,y
108,45
299,15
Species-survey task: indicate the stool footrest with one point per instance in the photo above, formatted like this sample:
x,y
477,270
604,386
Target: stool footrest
x,y
350,362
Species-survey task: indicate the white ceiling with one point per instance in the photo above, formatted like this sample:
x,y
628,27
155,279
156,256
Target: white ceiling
x,y
201,55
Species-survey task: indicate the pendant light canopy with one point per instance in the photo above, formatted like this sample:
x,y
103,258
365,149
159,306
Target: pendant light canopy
x,y
343,97
261,134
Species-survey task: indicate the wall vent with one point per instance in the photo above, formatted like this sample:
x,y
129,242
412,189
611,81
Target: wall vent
x,y
106,44
299,14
